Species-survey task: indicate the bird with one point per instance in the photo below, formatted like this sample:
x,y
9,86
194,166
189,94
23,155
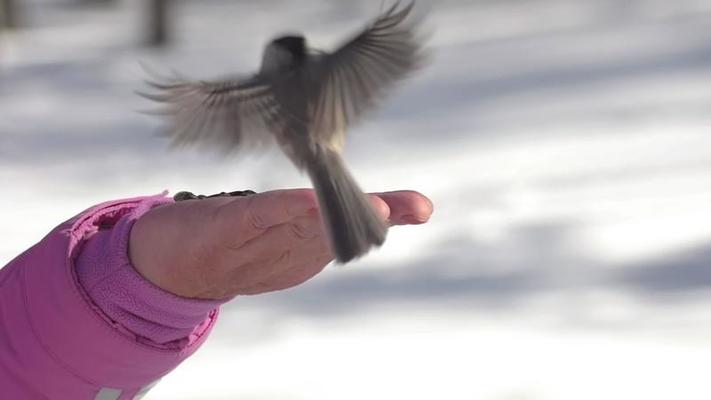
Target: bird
x,y
306,99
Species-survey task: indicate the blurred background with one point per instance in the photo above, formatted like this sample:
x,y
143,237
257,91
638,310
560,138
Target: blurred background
x,y
565,144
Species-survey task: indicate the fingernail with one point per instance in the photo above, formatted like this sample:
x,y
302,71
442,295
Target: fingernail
x,y
413,220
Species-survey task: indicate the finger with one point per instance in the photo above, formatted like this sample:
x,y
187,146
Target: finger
x,y
300,229
248,217
273,243
380,206
289,235
313,253
284,254
306,262
407,207
258,277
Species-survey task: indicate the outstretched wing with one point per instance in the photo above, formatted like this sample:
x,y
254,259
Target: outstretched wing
x,y
351,79
228,114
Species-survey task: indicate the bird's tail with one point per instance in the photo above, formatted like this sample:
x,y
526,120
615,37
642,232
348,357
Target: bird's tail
x,y
352,223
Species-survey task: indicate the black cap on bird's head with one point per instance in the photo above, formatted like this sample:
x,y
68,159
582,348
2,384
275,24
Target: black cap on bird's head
x,y
283,52
295,44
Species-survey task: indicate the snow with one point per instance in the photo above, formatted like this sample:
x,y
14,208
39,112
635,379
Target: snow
x,y
564,143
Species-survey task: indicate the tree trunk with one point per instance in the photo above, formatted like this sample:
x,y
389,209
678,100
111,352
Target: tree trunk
x,y
158,24
8,14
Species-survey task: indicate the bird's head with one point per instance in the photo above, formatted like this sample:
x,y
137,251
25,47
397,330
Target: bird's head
x,y
283,53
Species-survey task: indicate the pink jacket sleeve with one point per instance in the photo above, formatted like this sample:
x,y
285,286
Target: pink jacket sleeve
x,y
57,342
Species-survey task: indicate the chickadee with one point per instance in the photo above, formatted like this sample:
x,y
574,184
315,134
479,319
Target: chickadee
x,y
306,99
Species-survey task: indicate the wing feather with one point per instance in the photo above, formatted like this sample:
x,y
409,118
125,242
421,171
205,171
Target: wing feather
x,y
227,114
350,80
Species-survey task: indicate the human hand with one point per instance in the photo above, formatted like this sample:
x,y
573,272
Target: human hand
x,y
218,248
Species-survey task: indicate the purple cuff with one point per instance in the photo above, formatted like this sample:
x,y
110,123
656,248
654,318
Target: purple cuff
x,y
126,299
58,341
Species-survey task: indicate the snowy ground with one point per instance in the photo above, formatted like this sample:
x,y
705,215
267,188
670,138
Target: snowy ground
x,y
566,147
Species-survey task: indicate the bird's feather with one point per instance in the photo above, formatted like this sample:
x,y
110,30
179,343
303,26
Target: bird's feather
x,y
227,114
328,94
351,79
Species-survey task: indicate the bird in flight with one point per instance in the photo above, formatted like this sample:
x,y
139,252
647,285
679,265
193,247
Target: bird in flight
x,y
306,99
